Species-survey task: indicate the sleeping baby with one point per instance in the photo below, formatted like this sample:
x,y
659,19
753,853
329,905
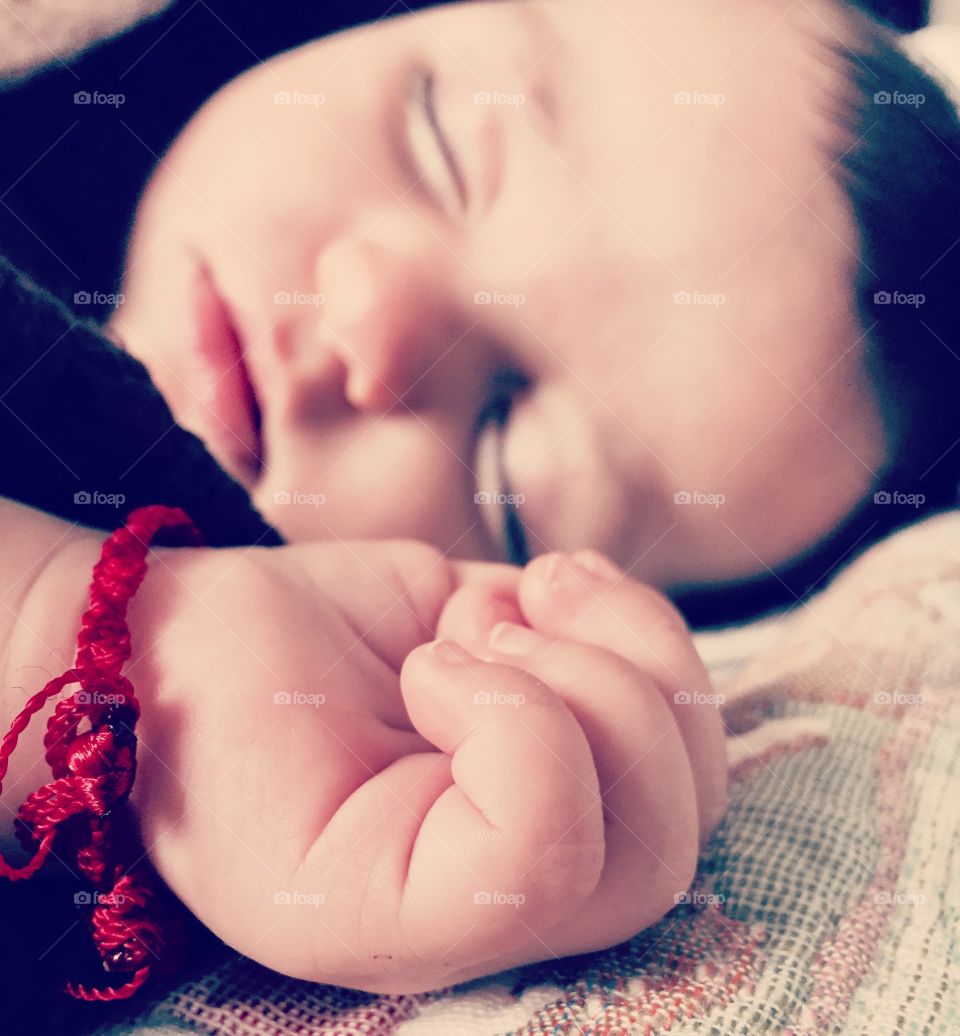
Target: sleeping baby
x,y
518,320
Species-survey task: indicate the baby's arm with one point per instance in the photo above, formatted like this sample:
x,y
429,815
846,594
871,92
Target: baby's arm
x,y
338,800
42,598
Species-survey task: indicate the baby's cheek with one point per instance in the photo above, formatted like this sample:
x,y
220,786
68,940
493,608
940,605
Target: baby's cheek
x,y
474,609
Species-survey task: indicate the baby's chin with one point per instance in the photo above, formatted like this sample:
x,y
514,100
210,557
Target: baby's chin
x,y
119,330
112,330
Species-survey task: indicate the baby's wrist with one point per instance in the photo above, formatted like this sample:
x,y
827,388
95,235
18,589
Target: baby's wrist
x,y
49,572
46,573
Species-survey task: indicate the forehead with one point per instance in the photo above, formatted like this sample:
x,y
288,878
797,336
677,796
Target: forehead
x,y
694,97
697,144
690,151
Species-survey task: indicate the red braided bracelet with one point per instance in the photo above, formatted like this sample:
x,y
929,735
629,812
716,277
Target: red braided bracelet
x,y
135,924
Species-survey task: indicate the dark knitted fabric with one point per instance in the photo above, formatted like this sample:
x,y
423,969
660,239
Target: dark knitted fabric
x,y
70,174
79,416
82,426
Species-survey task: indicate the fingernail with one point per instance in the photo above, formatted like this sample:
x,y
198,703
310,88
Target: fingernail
x,y
599,564
450,652
564,574
508,638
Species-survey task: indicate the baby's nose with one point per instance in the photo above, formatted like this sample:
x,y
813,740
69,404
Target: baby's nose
x,y
379,318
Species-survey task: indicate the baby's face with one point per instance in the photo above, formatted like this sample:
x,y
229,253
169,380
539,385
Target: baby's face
x,y
627,205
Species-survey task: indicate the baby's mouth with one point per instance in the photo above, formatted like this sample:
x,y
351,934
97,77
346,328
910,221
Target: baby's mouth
x,y
228,410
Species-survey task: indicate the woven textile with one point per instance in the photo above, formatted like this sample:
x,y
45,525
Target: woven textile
x,y
34,33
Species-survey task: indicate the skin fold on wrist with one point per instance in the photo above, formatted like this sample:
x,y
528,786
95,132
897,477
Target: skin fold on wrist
x,y
46,573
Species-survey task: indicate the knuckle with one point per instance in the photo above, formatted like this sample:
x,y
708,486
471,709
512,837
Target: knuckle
x,y
714,809
662,610
674,875
606,669
567,872
420,574
664,631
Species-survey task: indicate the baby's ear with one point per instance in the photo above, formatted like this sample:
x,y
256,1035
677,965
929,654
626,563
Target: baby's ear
x,y
487,594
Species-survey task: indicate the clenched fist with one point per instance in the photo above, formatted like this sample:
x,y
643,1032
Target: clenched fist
x,y
366,765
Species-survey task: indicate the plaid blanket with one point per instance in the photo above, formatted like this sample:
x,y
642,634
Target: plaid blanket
x,y
827,901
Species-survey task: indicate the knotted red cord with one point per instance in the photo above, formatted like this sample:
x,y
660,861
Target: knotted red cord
x,y
134,928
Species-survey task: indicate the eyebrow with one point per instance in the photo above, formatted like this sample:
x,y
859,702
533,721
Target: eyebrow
x,y
537,26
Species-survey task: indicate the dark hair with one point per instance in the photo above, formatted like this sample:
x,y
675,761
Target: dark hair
x,y
899,167
901,174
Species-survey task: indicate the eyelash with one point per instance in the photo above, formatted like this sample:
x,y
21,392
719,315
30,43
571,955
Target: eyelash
x,y
423,88
506,386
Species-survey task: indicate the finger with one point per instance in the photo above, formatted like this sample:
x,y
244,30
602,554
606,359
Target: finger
x,y
476,607
588,598
506,577
522,815
646,782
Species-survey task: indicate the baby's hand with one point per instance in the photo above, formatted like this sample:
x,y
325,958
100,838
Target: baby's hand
x,y
620,657
344,800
